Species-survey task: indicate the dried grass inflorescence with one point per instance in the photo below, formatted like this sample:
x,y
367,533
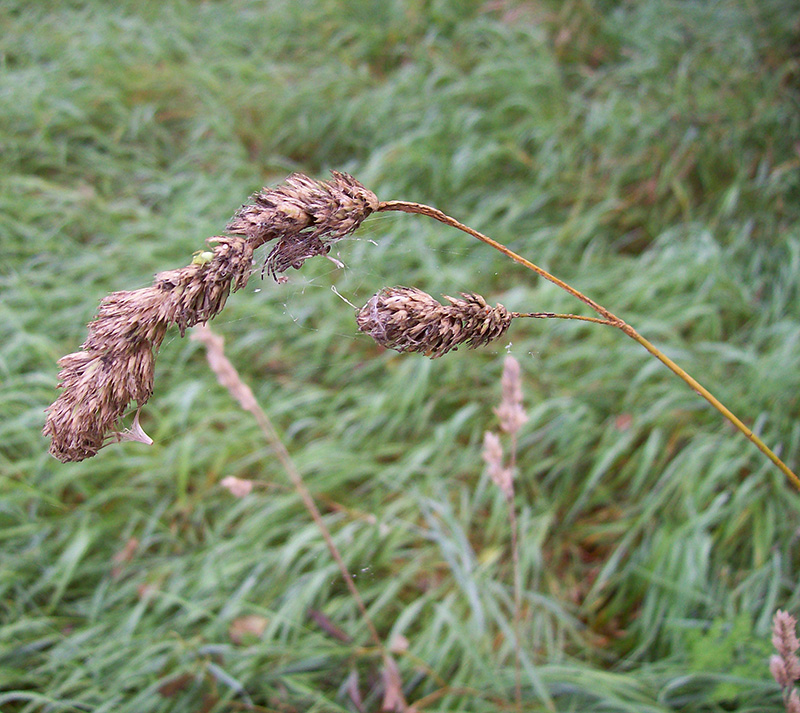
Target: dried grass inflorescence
x,y
117,360
116,363
305,216
511,412
409,320
785,665
502,476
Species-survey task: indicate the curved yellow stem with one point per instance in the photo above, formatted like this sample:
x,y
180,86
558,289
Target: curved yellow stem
x,y
607,318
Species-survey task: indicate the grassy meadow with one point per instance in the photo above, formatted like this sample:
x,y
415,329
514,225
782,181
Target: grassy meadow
x,y
646,152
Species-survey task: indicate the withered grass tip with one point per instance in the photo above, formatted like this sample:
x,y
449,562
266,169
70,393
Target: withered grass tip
x,y
409,320
117,360
116,363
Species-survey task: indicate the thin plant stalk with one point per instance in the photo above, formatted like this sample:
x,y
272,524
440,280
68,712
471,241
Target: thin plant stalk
x,y
229,377
607,318
511,415
553,315
512,513
512,516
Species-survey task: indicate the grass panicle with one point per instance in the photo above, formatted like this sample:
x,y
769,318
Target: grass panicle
x,y
409,320
117,361
606,317
304,216
229,377
512,416
785,665
511,412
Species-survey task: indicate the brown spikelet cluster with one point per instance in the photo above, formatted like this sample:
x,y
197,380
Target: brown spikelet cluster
x,y
117,360
511,412
305,216
512,417
409,320
785,665
116,363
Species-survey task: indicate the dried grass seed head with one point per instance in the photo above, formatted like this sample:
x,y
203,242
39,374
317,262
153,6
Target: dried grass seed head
x,y
96,390
409,320
305,215
492,454
117,360
115,365
793,702
510,411
785,666
784,633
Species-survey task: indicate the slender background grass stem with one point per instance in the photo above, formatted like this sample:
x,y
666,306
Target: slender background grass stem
x,y
608,318
228,377
512,516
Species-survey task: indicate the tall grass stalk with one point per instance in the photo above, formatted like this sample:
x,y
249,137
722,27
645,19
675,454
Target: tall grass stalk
x,y
512,416
228,376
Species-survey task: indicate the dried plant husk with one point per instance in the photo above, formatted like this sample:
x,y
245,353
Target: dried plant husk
x,y
117,360
116,363
407,319
305,216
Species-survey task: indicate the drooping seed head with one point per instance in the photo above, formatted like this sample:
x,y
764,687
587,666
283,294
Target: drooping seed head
x,y
116,363
409,320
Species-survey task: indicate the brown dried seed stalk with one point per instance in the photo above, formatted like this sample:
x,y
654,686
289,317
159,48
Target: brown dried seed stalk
x,y
116,363
785,665
409,320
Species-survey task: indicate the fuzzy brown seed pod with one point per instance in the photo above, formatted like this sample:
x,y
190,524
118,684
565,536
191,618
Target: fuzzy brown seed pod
x,y
115,365
409,320
117,360
305,216
785,666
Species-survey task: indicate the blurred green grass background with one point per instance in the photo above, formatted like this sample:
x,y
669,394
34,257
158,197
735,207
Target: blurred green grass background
x,y
648,152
